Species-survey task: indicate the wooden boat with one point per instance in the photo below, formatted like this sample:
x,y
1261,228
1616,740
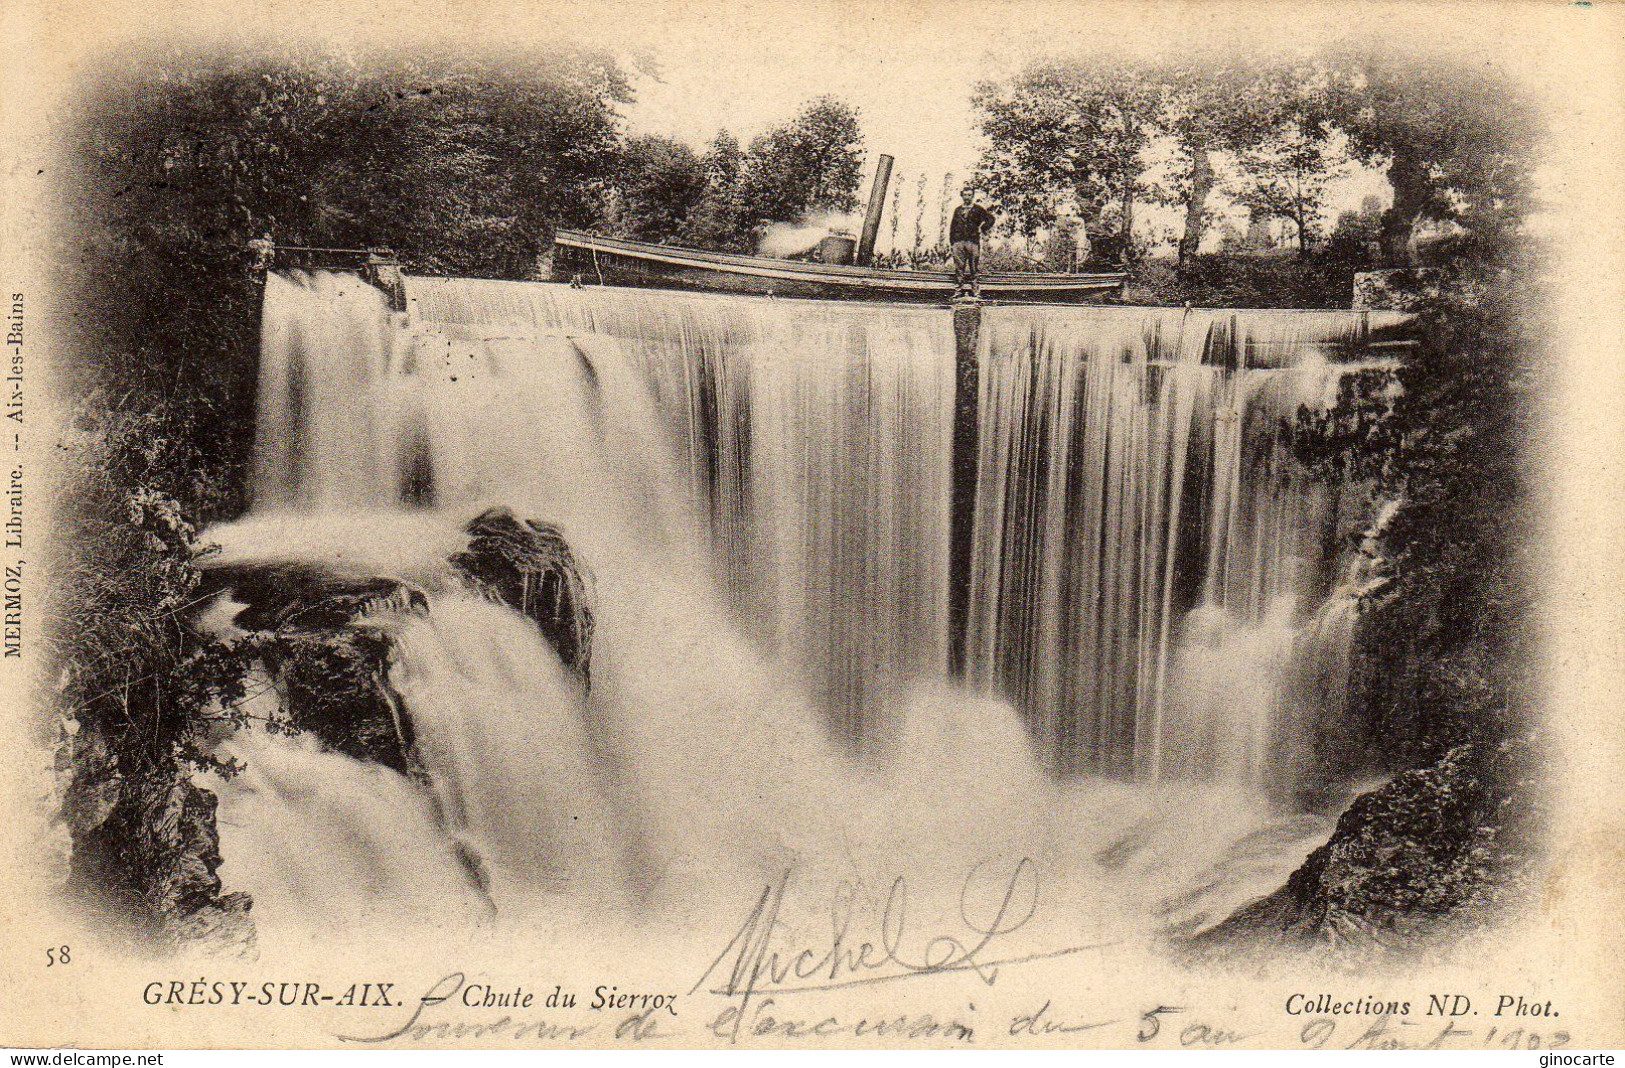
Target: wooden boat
x,y
593,260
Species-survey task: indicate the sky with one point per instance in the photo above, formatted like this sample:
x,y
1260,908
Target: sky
x,y
911,80
909,66
915,105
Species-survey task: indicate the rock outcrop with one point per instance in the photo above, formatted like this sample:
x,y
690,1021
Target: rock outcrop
x,y
145,845
308,597
335,685
310,629
147,849
528,566
315,628
1436,850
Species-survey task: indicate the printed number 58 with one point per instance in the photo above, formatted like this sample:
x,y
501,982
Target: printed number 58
x,y
57,955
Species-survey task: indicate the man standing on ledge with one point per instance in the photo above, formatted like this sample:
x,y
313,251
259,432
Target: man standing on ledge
x,y
970,221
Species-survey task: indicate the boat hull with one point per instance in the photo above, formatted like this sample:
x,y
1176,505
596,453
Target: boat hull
x,y
589,259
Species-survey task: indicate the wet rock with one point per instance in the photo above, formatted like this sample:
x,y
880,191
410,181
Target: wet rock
x,y
335,685
151,859
315,630
179,821
94,783
1432,853
309,597
221,929
528,566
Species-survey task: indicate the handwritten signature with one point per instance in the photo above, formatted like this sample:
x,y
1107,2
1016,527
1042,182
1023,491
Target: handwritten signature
x,y
754,962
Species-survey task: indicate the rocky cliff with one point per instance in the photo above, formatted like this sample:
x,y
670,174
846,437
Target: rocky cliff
x,y
1432,852
145,847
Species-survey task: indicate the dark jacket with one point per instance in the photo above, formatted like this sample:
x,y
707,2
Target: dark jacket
x,y
969,222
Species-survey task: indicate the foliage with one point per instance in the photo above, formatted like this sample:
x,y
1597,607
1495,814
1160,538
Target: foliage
x,y
459,165
810,164
1077,132
718,221
1219,280
661,183
1455,138
1063,133
139,693
1207,106
1443,651
1288,172
1356,237
128,665
176,161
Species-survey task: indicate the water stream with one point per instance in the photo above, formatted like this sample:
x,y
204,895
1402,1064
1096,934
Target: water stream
x,y
761,490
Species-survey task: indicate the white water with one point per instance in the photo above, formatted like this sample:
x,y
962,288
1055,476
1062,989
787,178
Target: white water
x,y
760,489
1146,549
817,437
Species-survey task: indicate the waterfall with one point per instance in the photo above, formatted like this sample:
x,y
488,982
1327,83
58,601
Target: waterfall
x,y
1146,551
327,342
817,437
540,787
762,490
1146,548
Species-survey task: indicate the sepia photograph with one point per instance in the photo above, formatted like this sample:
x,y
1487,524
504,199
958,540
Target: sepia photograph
x,y
909,525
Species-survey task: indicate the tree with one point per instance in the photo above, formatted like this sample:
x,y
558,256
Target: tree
x,y
1454,139
474,163
461,166
661,184
717,221
919,219
1286,175
1064,131
1206,107
724,161
812,163
896,214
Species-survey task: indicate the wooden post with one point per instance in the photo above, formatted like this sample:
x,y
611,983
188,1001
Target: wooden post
x,y
383,270
261,251
877,204
962,495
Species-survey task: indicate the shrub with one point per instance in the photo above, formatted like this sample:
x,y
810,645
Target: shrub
x,y
139,692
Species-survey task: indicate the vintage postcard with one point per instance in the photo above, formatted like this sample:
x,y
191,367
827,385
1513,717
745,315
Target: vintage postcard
x,y
815,525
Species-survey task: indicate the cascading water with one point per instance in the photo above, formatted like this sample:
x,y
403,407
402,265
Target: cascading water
x,y
761,491
1146,547
818,436
528,773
